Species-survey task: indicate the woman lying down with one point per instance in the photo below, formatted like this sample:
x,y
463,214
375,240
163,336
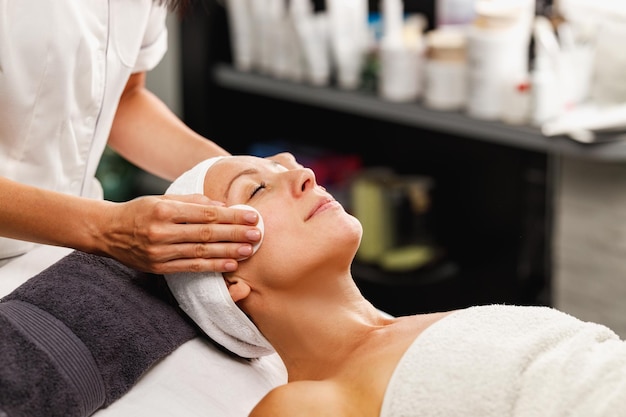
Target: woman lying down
x,y
344,357
79,335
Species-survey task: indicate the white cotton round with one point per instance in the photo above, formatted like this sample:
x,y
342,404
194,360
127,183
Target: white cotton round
x,y
259,225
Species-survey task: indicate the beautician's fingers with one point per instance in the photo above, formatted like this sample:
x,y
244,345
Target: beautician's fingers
x,y
206,211
161,234
205,257
198,264
286,159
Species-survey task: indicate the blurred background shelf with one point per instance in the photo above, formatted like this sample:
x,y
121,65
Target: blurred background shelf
x,y
365,104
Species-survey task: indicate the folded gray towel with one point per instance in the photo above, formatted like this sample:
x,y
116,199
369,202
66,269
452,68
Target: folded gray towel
x,y
77,336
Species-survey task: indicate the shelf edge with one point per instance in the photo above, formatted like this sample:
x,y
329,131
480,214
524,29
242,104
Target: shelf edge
x,y
413,114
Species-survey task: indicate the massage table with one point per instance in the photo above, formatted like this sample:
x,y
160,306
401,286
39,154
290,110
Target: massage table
x,y
484,361
195,379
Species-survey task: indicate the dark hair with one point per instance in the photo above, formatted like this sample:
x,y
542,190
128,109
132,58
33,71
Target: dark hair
x,y
178,6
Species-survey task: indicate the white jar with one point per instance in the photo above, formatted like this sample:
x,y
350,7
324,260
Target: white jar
x,y
445,78
454,13
497,53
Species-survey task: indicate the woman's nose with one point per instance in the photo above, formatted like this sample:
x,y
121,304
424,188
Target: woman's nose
x,y
303,179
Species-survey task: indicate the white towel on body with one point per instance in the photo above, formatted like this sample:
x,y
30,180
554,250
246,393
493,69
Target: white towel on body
x,y
510,361
204,296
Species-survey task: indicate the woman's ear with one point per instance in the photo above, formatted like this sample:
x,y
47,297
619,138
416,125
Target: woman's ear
x,y
238,288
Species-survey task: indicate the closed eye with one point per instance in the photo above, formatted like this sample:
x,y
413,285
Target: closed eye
x,y
257,189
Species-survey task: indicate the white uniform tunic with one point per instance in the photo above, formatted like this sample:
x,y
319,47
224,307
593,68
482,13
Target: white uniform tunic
x,y
63,67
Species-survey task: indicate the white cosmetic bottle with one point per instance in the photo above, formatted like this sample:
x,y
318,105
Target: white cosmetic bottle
x,y
348,40
311,31
241,33
401,53
545,86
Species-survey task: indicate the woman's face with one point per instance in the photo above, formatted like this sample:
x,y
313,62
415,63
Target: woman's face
x,y
305,227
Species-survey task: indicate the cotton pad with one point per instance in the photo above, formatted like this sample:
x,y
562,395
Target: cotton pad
x,y
259,225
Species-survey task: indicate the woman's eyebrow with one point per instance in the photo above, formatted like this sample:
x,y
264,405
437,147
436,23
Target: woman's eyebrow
x,y
249,171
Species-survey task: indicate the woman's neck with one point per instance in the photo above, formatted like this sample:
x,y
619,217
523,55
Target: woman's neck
x,y
314,335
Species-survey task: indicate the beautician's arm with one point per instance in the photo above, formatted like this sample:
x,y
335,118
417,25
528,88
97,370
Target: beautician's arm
x,y
159,234
148,134
147,233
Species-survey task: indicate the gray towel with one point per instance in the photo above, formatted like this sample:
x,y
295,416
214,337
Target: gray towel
x,y
77,336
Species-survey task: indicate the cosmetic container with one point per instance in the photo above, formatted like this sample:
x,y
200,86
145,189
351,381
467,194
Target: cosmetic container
x,y
454,14
311,30
545,91
373,207
497,52
401,55
547,101
348,40
262,37
609,80
240,27
445,72
517,101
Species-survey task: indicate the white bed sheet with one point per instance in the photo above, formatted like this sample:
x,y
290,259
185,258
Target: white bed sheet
x,y
196,380
199,380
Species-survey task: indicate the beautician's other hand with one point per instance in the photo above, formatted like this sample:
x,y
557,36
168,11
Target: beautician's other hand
x,y
174,233
286,159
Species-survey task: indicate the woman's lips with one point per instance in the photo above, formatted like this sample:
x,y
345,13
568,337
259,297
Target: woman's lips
x,y
322,205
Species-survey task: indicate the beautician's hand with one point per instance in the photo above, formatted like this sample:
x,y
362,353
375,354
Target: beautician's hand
x,y
164,234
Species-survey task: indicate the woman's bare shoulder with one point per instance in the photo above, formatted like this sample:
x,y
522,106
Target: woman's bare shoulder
x,y
304,399
420,322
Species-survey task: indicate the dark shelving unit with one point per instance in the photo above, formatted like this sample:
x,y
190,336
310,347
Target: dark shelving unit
x,y
494,183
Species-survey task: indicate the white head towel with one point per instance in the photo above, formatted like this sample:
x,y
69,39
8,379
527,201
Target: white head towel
x,y
204,296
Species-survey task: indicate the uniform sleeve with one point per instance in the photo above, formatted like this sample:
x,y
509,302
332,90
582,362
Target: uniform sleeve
x,y
154,45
